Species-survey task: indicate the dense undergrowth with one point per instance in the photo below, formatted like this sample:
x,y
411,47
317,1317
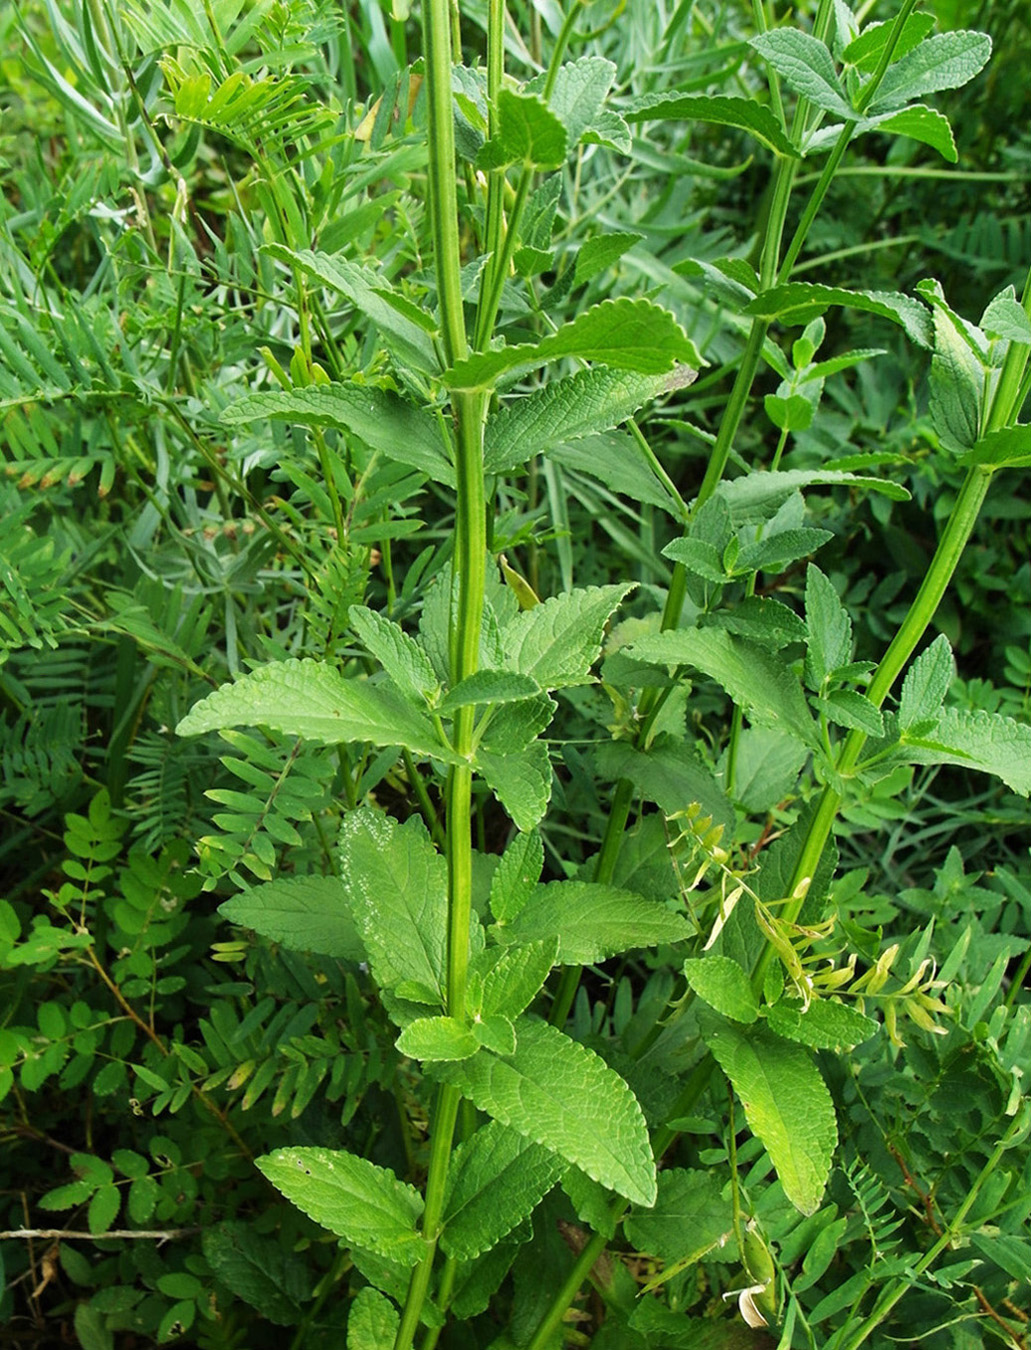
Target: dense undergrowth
x,y
515,670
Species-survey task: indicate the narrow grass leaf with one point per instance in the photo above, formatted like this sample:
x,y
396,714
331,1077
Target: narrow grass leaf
x,y
364,1204
563,1096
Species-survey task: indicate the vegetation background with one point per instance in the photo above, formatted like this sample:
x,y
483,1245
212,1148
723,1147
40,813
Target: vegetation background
x,y
166,169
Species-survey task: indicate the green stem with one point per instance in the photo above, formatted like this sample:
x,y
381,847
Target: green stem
x,y
896,1291
469,410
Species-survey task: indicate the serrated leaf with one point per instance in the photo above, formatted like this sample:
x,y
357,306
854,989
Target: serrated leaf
x,y
762,491
957,386
926,684
563,1096
768,765
794,413
556,642
786,1104
776,552
747,115
593,922
496,1033
372,1322
398,886
370,293
103,1208
578,94
313,700
797,302
379,417
669,773
699,557
598,253
824,1025
626,334
364,1204
805,63
864,51
528,133
516,876
517,976
768,621
942,61
978,740
489,686
1008,448
615,460
610,129
495,1181
521,781
848,708
919,123
258,1270
437,1038
400,655
753,677
1004,317
304,913
512,726
689,1218
829,628
722,983
582,404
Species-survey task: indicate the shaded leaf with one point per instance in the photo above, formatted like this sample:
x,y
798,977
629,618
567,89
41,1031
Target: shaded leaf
x,y
303,913
593,921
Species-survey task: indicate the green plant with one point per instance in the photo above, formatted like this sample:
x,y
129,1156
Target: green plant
x,y
545,891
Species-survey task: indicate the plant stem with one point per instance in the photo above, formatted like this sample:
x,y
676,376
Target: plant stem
x,y
469,411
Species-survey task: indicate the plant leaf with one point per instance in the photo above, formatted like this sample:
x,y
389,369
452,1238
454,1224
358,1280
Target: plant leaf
x,y
372,1322
379,417
562,1095
722,983
825,1024
786,1104
352,1197
1010,447
753,677
557,641
829,643
521,781
797,302
978,740
495,1181
489,687
689,1218
258,1270
744,113
919,123
578,95
400,655
516,876
516,977
593,922
398,886
303,914
528,133
627,334
669,773
805,63
565,410
437,1038
926,684
312,700
598,253
762,490
370,293
942,61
